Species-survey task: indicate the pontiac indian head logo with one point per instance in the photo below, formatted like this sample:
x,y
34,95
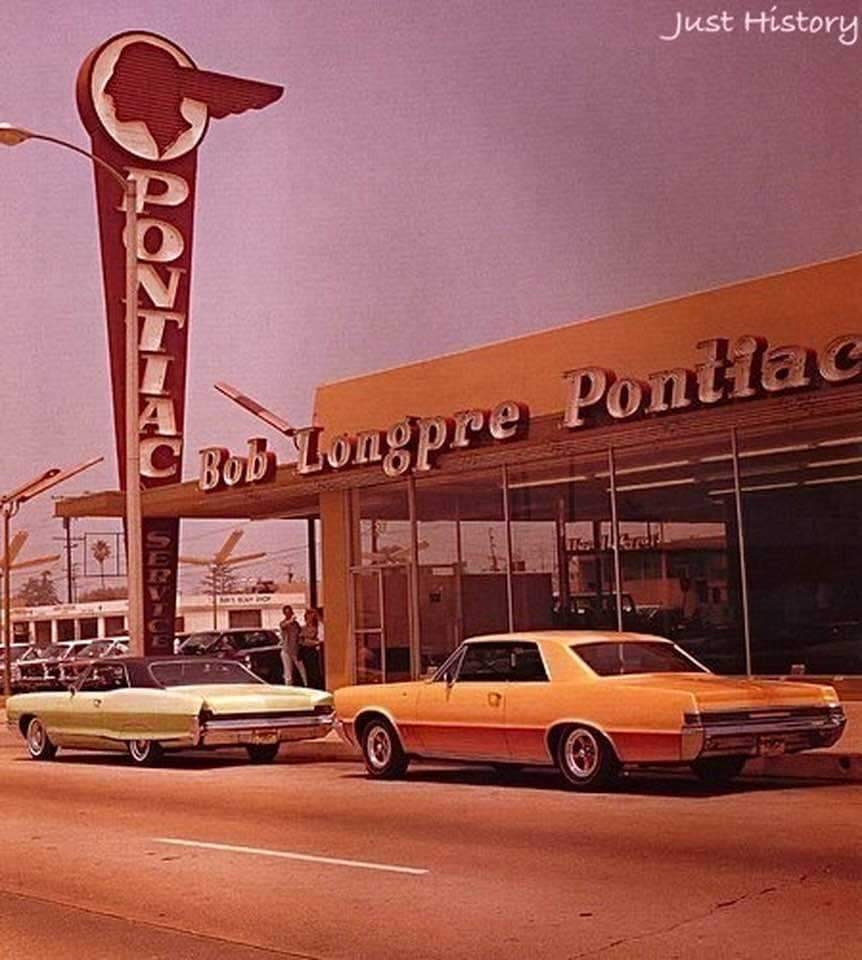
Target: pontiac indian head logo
x,y
151,100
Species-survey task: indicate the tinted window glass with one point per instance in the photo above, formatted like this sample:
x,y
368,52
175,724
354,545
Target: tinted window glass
x,y
198,642
518,662
105,676
612,659
254,638
528,666
185,672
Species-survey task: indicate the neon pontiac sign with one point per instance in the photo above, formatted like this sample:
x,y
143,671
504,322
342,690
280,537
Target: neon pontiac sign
x,y
147,108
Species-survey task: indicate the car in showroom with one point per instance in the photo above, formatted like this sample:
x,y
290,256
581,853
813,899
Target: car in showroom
x,y
588,702
257,648
147,706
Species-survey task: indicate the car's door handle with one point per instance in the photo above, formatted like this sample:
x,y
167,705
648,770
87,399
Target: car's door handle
x,y
97,703
495,699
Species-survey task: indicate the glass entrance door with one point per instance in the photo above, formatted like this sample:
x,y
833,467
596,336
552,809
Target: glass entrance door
x,y
381,623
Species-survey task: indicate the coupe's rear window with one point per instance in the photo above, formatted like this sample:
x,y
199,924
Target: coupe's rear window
x,y
192,672
609,659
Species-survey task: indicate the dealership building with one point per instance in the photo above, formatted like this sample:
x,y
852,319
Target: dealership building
x,y
691,468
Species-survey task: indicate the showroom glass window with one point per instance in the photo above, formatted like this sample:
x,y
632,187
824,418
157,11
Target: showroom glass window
x,y
563,570
461,547
802,507
678,547
380,583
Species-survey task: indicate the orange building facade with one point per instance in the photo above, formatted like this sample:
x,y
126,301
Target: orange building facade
x,y
691,468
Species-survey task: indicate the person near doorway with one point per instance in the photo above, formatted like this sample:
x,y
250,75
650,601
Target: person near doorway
x,y
289,630
310,647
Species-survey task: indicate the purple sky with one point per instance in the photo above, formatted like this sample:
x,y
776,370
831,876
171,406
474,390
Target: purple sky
x,y
438,175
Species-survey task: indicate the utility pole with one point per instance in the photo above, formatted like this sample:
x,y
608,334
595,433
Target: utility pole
x,y
71,543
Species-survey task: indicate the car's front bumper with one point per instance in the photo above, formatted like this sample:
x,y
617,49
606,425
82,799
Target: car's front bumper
x,y
762,733
257,730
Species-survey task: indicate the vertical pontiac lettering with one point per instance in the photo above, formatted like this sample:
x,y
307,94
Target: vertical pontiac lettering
x,y
146,107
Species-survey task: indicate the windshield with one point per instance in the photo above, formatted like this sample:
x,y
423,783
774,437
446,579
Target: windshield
x,y
609,659
182,673
198,642
52,650
94,649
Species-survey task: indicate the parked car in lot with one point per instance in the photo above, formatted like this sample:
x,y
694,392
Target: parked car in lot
x,y
258,648
42,668
16,652
79,659
589,702
145,706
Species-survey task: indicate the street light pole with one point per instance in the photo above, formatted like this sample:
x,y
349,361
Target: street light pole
x,y
10,504
9,508
11,136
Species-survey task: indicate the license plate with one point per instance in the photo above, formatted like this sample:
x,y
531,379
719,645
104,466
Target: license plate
x,y
771,747
264,736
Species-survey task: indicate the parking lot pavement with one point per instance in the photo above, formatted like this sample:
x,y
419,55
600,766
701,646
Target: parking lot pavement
x,y
210,856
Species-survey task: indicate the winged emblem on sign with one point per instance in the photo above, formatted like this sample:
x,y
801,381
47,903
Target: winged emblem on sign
x,y
148,85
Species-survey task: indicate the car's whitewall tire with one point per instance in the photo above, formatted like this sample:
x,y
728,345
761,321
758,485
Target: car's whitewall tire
x,y
39,745
144,753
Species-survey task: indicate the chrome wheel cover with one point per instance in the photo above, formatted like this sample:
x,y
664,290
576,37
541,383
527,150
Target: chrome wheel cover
x,y
581,753
140,750
36,737
378,747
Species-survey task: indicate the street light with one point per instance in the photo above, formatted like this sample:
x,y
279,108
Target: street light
x,y
11,136
10,504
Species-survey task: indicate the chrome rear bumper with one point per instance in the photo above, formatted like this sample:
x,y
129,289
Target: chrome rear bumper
x,y
772,732
255,730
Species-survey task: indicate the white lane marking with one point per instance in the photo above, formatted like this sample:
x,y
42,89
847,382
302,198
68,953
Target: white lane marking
x,y
287,855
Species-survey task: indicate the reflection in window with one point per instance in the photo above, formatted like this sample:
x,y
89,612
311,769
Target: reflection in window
x,y
381,585
561,538
802,502
462,561
615,659
676,538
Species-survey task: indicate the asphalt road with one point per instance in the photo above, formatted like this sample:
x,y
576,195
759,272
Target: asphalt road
x,y
209,857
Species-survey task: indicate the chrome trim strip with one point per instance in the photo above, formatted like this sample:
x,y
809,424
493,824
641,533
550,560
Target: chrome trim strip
x,y
262,723
776,727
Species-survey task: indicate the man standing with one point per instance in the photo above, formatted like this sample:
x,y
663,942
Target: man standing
x,y
289,630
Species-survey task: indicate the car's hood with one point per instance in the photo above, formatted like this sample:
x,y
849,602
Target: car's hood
x,y
239,697
714,691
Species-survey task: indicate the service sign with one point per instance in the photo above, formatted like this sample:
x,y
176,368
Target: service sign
x,y
146,107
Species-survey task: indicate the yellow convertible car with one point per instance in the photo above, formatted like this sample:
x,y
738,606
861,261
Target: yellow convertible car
x,y
588,702
147,705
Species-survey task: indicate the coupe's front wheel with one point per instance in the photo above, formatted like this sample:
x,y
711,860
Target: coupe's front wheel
x,y
144,753
384,756
262,752
718,771
39,745
585,759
